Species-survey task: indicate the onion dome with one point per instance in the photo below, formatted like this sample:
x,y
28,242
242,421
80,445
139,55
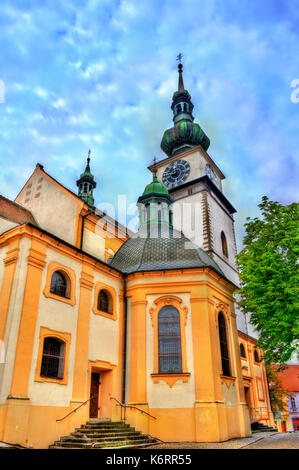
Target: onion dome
x,y
86,184
155,188
185,133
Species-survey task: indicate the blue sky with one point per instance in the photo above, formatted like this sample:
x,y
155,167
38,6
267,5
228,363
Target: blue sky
x,y
100,74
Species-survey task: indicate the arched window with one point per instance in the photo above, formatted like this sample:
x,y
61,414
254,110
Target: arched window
x,y
256,356
53,358
185,107
224,244
169,339
178,108
105,301
242,350
59,284
223,345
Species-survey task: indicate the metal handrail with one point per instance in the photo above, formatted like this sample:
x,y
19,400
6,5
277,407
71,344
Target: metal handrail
x,y
131,406
75,409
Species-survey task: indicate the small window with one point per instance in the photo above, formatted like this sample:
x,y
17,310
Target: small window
x,y
223,345
242,350
59,284
105,301
53,358
178,108
224,244
293,403
256,356
185,107
169,338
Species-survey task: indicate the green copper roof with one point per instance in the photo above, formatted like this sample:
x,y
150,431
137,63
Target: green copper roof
x,y
155,188
182,135
185,133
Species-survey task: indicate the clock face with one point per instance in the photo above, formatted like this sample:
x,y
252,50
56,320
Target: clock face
x,y
176,173
211,174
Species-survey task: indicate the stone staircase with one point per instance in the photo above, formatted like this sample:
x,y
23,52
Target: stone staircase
x,y
103,434
260,427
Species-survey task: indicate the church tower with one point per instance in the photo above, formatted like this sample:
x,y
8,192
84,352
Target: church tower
x,y
194,181
86,184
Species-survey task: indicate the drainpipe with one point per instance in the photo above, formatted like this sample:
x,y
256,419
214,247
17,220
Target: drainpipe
x,y
125,340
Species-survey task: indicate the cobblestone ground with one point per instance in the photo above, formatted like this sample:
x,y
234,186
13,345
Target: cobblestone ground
x,y
278,441
235,443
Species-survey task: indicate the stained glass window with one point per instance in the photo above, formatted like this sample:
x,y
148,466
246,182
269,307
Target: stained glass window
x,y
169,332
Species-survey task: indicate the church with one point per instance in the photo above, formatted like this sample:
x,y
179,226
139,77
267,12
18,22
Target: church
x,y
98,322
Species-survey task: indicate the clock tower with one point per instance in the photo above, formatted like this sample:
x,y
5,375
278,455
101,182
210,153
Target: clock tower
x,y
194,181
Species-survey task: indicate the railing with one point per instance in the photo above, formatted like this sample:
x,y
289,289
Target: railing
x,y
124,408
75,409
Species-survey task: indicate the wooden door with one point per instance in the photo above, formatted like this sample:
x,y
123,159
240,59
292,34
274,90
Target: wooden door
x,y
94,392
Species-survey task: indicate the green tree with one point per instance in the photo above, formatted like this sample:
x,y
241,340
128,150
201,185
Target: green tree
x,y
277,392
269,276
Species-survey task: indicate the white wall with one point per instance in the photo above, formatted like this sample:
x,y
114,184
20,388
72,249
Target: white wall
x,y
54,210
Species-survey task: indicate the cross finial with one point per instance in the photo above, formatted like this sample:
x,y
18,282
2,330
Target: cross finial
x,y
88,158
155,168
179,57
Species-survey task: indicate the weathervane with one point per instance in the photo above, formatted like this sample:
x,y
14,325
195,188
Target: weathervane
x,y
88,158
179,57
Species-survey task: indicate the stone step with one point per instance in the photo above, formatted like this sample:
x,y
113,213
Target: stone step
x,y
105,423
100,439
104,434
106,430
125,445
102,445
103,428
100,435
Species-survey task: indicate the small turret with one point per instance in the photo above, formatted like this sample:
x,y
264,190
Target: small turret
x,y
86,184
155,215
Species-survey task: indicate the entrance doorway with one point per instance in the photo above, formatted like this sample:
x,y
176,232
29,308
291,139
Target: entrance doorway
x,y
94,395
283,426
296,424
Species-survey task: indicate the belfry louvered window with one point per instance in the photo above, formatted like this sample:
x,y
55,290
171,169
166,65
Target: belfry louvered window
x,y
223,345
169,333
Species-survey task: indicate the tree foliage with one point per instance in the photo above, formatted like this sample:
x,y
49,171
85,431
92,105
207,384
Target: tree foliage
x,y
268,266
277,392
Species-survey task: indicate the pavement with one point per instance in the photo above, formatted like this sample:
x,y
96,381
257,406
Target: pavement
x,y
259,440
277,441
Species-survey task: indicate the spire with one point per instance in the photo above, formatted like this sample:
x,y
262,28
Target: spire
x,y
185,133
86,184
180,70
